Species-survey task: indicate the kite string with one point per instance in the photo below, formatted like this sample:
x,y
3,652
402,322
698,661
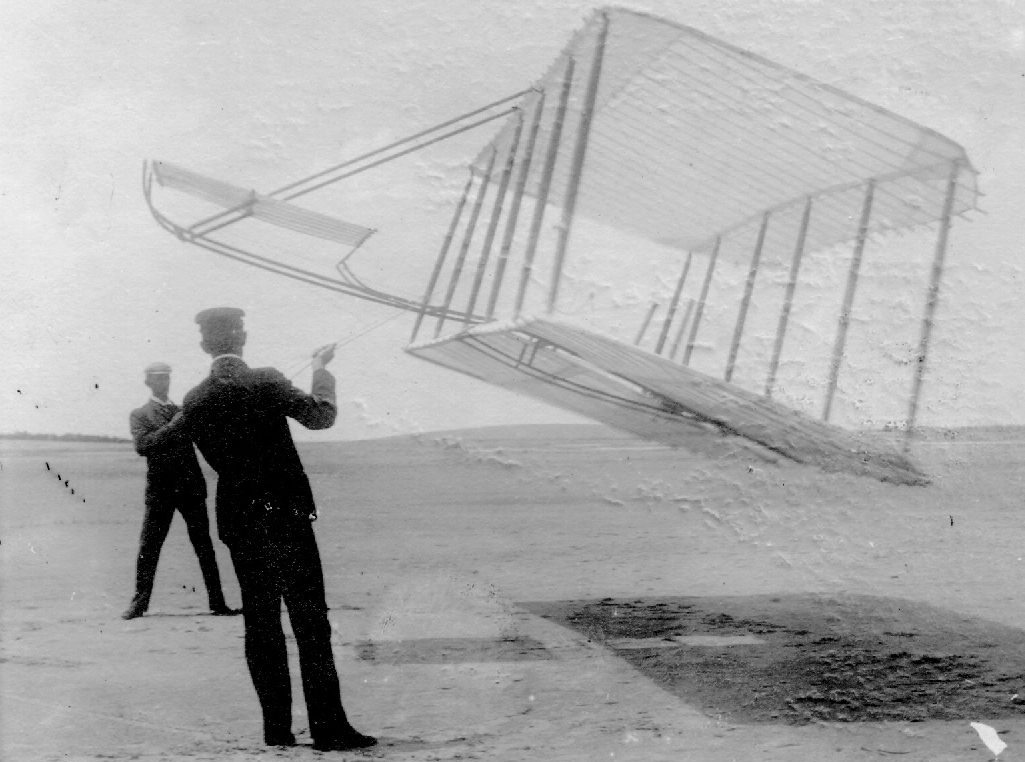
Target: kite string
x,y
349,340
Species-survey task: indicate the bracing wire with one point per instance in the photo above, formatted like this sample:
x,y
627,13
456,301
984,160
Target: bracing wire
x,y
349,339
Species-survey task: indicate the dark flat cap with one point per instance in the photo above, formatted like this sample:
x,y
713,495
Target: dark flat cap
x,y
220,315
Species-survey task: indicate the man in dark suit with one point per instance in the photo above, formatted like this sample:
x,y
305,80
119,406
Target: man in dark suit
x,y
174,481
238,417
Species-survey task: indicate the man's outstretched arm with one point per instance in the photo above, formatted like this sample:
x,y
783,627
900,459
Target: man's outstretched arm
x,y
316,410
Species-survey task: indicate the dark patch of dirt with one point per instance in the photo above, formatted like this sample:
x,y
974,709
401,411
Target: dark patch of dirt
x,y
837,659
452,650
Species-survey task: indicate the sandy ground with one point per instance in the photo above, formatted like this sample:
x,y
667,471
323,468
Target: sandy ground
x,y
542,594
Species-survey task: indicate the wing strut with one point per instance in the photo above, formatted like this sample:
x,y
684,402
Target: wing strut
x,y
238,203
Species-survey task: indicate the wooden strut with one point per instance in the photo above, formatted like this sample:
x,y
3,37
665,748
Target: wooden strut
x,y
932,299
644,325
457,268
277,268
200,230
545,187
523,352
408,139
701,301
446,244
679,331
242,211
496,214
534,348
848,299
788,300
530,346
745,302
671,312
577,165
514,206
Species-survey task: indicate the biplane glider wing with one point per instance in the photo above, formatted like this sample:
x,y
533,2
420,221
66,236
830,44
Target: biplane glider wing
x,y
647,153
652,396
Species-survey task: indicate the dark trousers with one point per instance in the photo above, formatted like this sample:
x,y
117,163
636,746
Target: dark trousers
x,y
275,563
155,527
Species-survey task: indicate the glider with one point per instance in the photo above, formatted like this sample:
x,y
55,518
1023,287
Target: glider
x,y
650,159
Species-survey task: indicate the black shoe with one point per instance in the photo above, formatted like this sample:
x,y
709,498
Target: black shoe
x,y
346,742
133,612
279,739
225,611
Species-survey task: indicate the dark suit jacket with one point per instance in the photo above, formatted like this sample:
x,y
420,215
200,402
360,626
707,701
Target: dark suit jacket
x,y
172,470
238,418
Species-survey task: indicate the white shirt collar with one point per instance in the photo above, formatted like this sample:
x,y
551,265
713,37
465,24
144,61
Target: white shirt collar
x,y
221,357
168,401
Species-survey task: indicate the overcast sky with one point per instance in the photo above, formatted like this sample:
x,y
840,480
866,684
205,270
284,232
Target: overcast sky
x,y
260,93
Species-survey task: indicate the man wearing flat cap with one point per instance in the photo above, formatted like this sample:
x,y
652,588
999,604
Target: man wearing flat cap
x,y
238,418
174,481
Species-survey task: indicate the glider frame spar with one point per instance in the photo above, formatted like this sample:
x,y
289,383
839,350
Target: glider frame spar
x,y
275,208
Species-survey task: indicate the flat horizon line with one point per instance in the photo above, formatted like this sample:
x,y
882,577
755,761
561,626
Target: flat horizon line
x,y
927,433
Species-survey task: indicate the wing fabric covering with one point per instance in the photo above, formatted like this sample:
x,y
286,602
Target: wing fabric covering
x,y
693,138
273,211
698,180
655,398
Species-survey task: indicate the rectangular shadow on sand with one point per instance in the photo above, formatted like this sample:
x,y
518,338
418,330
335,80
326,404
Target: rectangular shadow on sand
x,y
452,650
805,658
